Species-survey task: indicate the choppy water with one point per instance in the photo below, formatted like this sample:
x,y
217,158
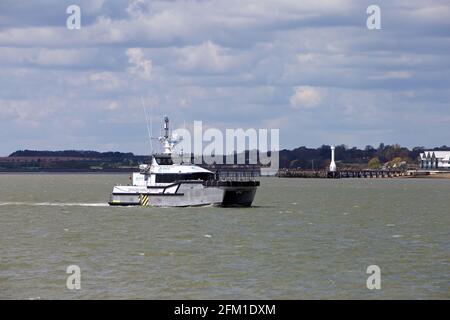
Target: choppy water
x,y
305,239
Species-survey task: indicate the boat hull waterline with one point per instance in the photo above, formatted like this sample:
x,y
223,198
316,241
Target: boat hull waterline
x,y
188,194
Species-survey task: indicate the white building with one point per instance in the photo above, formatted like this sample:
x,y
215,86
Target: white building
x,y
438,160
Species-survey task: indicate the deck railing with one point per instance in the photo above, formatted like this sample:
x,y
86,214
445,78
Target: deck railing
x,y
247,175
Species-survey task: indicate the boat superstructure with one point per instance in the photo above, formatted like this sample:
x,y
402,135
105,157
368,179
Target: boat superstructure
x,y
164,183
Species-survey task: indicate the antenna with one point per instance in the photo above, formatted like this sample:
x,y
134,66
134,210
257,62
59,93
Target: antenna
x,y
166,127
146,122
151,131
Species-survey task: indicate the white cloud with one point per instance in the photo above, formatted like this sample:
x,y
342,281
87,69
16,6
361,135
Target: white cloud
x,y
305,57
135,7
113,105
205,57
27,112
140,66
393,75
105,80
305,97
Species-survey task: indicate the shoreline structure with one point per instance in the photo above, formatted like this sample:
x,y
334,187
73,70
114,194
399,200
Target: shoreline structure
x,y
303,175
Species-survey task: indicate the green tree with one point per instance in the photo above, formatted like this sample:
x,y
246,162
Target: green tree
x,y
374,163
395,163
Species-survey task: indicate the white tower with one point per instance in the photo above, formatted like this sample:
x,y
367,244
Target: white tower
x,y
332,164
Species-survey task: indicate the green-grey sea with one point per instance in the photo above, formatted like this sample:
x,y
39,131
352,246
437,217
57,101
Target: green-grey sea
x,y
303,239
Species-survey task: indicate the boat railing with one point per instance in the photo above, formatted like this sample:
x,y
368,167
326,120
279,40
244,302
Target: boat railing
x,y
248,175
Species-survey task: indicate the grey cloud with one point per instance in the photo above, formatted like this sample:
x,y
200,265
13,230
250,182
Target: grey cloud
x,y
228,63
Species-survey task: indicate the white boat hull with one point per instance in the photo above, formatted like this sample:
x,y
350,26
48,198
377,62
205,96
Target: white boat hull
x,y
185,194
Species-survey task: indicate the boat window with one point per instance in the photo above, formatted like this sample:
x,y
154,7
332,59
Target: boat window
x,y
164,161
173,177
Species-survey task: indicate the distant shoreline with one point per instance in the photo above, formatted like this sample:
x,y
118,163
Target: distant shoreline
x,y
440,175
65,172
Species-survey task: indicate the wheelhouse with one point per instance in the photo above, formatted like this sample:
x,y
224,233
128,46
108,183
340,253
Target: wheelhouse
x,y
163,159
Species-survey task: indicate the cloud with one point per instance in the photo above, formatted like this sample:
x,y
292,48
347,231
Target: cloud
x,y
305,97
231,63
140,66
207,57
393,75
105,80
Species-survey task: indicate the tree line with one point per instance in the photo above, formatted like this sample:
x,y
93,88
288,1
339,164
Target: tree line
x,y
298,158
371,157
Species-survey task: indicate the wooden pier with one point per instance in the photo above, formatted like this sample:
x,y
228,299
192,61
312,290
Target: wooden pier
x,y
287,173
366,174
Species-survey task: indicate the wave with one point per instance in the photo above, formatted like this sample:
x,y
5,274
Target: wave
x,y
57,204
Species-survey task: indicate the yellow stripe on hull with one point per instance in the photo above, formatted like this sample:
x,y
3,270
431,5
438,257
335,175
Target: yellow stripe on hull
x,y
144,200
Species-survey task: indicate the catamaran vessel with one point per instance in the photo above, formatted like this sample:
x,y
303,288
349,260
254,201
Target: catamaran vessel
x,y
164,183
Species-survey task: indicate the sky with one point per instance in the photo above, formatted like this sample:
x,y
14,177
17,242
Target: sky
x,y
309,68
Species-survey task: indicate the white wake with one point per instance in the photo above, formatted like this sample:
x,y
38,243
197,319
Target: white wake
x,y
57,204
